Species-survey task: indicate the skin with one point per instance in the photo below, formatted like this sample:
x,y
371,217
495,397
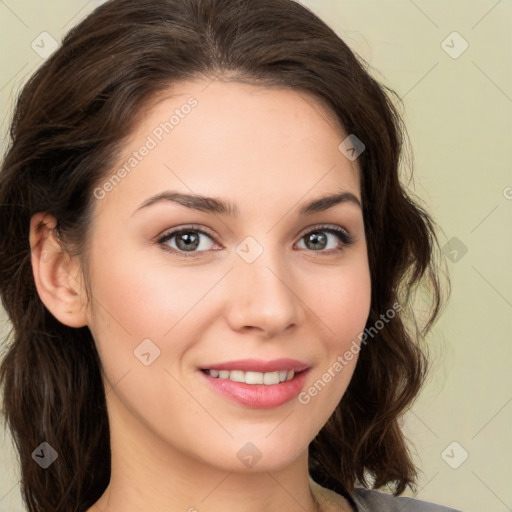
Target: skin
x,y
175,440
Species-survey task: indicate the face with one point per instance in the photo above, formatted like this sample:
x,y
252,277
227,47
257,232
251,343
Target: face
x,y
272,286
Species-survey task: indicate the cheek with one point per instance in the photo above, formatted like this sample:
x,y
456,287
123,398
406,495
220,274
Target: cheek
x,y
134,301
342,310
341,300
143,299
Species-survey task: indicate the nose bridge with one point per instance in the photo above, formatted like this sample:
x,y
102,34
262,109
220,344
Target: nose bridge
x,y
262,288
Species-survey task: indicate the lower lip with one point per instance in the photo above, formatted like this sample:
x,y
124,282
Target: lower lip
x,y
258,396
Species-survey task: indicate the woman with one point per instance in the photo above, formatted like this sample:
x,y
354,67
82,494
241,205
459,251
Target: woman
x,y
210,310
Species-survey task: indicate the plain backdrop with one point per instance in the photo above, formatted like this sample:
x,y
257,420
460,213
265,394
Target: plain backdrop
x,y
450,63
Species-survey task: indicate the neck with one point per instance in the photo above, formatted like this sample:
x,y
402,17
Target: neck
x,y
148,474
185,485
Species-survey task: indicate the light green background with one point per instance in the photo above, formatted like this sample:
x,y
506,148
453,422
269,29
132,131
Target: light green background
x,y
458,112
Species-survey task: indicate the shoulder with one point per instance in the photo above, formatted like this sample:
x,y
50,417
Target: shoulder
x,y
375,501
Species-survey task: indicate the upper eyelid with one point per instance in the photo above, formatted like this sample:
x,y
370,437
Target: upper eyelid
x,y
174,231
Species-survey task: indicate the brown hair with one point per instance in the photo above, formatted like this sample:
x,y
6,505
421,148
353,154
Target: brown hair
x,y
70,120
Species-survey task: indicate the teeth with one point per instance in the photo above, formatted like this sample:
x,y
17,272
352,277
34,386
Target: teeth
x,y
237,375
271,378
268,378
253,378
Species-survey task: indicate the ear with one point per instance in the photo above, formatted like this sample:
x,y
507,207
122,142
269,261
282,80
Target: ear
x,y
57,276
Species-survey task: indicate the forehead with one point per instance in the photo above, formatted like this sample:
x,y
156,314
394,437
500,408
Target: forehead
x,y
232,139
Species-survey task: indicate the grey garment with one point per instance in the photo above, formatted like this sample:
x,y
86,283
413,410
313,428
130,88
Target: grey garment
x,y
376,501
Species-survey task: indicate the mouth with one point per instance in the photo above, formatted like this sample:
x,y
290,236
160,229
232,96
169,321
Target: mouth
x,y
257,384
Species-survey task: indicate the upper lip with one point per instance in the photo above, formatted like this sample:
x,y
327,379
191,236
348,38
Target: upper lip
x,y
259,365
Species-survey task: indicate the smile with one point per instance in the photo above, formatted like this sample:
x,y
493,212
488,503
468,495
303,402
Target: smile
x,y
259,390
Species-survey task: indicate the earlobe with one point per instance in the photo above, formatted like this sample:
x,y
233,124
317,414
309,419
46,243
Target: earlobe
x,y
55,273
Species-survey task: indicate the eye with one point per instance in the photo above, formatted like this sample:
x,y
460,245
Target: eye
x,y
186,240
318,239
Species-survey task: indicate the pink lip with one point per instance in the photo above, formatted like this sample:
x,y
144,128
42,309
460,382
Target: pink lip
x,y
258,396
259,365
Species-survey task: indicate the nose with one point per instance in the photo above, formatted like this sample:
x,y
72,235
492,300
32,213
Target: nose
x,y
262,296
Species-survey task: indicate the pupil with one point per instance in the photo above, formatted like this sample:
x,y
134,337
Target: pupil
x,y
318,238
190,240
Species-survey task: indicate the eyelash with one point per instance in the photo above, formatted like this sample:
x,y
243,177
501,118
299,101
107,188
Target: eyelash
x,y
343,236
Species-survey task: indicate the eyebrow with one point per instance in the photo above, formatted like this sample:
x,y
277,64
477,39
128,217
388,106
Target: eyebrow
x,y
215,205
